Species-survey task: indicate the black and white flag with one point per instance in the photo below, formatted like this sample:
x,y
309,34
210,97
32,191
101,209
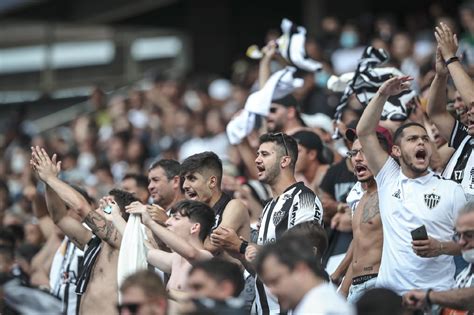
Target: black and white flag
x,y
365,82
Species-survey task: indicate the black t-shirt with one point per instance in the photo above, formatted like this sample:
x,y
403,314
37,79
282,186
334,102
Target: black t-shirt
x,y
338,182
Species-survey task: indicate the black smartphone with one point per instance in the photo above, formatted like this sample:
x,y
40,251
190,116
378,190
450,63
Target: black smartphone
x,y
419,234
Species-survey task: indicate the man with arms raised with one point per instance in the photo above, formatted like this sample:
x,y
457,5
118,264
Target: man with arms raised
x,y
101,245
460,167
202,174
410,196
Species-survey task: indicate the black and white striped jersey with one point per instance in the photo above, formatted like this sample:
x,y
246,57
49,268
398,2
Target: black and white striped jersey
x,y
297,204
64,272
460,167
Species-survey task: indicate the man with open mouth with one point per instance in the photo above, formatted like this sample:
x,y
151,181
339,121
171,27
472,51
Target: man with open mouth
x,y
410,196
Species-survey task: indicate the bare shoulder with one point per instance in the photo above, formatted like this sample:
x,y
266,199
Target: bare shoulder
x,y
236,205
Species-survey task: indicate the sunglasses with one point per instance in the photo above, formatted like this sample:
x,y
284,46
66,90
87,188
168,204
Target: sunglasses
x,y
273,110
283,140
131,307
468,236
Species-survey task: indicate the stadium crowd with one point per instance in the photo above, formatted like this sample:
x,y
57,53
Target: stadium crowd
x,y
328,175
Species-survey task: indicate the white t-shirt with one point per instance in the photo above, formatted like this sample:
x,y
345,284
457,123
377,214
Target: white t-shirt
x,y
323,299
406,204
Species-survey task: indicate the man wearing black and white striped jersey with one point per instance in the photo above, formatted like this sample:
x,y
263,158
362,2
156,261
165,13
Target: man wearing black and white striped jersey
x,y
292,201
460,166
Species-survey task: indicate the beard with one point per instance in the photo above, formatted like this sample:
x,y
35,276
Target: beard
x,y
412,167
271,174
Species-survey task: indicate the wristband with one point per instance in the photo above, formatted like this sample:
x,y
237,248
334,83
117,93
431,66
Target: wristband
x,y
243,247
427,297
451,60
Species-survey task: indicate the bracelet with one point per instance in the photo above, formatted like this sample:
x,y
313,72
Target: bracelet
x,y
243,247
427,297
441,248
451,60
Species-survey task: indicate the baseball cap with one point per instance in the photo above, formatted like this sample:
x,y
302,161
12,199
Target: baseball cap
x,y
383,135
287,101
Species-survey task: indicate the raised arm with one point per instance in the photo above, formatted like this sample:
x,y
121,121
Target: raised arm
x,y
97,222
47,169
448,44
460,299
264,70
375,154
174,242
437,99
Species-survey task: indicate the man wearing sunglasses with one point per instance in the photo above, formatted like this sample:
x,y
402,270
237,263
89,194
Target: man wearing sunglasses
x,y
284,115
461,298
143,293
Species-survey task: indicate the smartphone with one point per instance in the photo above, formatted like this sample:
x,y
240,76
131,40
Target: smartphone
x,y
108,209
419,234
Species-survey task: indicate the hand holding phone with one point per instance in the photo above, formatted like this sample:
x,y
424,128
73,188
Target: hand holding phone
x,y
419,234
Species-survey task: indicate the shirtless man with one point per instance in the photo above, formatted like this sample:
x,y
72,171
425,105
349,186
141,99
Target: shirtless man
x,y
365,251
101,245
187,228
202,181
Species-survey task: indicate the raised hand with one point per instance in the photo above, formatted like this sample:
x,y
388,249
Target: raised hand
x,y
441,68
395,85
157,213
139,208
44,167
447,41
270,50
109,207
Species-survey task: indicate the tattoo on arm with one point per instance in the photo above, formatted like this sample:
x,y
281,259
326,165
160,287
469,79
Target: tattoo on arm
x,y
371,208
101,227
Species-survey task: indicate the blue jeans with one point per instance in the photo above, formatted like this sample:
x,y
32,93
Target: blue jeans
x,y
356,291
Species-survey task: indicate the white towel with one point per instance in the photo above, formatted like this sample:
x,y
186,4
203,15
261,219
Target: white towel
x,y
279,85
132,256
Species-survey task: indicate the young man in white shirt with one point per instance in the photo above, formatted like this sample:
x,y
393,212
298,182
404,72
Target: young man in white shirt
x,y
296,277
410,196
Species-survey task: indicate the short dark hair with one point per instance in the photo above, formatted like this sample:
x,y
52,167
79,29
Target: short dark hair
x,y
290,251
123,198
197,212
172,168
140,180
202,162
311,231
379,301
222,270
280,139
399,132
150,283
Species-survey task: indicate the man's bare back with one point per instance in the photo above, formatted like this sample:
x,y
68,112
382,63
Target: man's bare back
x,y
101,295
368,238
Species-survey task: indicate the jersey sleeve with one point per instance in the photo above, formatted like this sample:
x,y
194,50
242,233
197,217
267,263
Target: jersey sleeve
x,y
387,173
459,200
306,207
457,135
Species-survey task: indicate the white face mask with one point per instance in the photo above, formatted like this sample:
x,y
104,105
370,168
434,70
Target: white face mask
x,y
468,255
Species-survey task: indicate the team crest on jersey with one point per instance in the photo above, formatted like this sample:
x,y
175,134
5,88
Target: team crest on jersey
x,y
432,200
278,217
397,194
